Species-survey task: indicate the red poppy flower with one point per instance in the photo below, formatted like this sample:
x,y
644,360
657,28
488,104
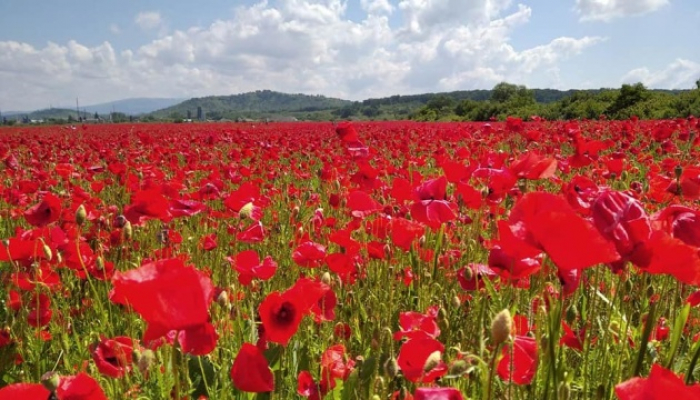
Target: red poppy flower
x,y
309,254
18,250
533,166
248,192
659,385
24,391
168,295
147,204
253,234
185,208
250,371
44,213
509,267
307,386
281,315
247,264
346,132
413,359
437,393
472,280
430,206
208,242
571,339
681,222
405,232
314,297
333,363
546,221
521,370
113,357
416,325
79,387
622,219
361,204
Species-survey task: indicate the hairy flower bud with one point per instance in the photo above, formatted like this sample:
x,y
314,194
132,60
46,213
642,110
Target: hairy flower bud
x,y
501,327
80,215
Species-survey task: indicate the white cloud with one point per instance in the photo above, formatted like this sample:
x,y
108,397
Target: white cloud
x,y
307,46
607,10
680,74
148,20
115,29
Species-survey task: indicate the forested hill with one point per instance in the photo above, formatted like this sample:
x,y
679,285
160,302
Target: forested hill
x,y
261,102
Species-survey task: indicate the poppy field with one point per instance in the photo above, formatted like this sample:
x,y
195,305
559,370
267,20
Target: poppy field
x,y
365,260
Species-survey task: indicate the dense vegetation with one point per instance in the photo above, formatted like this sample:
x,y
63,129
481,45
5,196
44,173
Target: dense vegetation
x,y
504,100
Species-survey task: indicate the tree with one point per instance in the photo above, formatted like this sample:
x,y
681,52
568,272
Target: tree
x,y
505,92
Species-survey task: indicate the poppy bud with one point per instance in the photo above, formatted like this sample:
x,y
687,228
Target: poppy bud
x,y
614,327
501,327
456,302
47,251
678,171
144,359
458,368
100,263
468,274
432,361
80,215
128,231
326,278
222,299
391,367
51,380
246,210
421,241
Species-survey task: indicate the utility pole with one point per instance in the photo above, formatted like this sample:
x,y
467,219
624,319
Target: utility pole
x,y
77,108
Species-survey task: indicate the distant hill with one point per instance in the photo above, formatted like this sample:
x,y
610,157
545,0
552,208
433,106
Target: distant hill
x,y
133,106
261,103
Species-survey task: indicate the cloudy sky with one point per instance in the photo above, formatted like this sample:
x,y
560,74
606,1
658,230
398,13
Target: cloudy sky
x,y
102,50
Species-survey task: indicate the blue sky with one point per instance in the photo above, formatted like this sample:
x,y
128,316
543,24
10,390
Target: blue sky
x,y
98,50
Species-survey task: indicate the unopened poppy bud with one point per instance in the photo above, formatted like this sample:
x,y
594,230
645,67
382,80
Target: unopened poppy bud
x,y
222,299
458,368
391,368
47,251
246,211
468,274
145,359
421,241
456,302
128,231
51,380
614,327
432,361
80,215
678,171
326,278
100,263
295,211
501,327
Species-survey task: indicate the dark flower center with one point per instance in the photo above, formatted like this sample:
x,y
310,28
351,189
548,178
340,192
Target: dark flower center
x,y
286,313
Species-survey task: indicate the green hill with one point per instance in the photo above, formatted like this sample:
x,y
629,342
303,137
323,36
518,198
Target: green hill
x,y
256,105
